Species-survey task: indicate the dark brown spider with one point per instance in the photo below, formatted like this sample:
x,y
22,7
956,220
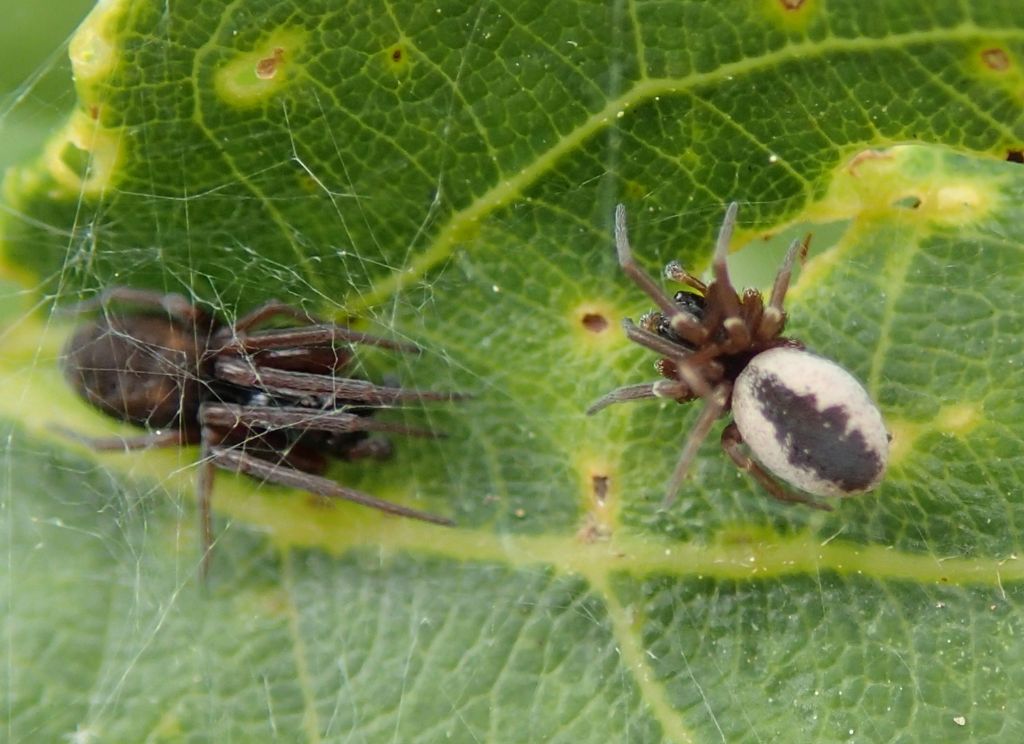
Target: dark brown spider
x,y
805,418
273,404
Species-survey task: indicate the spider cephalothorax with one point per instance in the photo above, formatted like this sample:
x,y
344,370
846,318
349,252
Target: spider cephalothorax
x,y
805,418
275,404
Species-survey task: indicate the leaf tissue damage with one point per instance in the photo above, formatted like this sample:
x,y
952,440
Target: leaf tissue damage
x,y
447,173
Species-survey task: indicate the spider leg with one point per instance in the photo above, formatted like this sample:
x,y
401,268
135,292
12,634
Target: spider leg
x,y
312,332
230,415
271,309
774,316
731,443
719,265
632,270
657,389
653,341
173,304
301,384
694,380
238,461
713,409
163,438
726,296
688,327
235,339
682,323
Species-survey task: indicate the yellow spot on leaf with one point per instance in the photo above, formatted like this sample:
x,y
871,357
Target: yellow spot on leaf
x,y
995,58
266,68
93,52
904,434
83,158
599,498
999,67
911,179
397,58
596,323
254,76
791,14
959,200
957,420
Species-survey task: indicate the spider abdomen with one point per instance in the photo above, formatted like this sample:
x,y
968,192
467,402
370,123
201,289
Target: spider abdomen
x,y
810,422
143,369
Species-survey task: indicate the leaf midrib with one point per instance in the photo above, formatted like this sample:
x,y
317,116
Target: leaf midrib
x,y
739,553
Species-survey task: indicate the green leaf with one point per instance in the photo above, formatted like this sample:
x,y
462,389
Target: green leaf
x,y
447,173
35,90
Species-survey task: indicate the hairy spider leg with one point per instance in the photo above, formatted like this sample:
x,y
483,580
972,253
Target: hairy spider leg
x,y
237,336
673,389
271,309
774,315
713,408
726,295
696,382
684,324
281,417
299,384
731,443
653,341
313,335
174,305
238,461
217,418
641,391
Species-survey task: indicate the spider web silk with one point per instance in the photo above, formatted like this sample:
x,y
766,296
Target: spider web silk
x,y
565,606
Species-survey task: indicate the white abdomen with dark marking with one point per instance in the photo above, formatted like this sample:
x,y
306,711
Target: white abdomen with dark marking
x,y
810,422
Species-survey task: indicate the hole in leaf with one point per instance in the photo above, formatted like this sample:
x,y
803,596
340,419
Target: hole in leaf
x,y
996,59
595,322
396,58
266,68
1015,156
76,159
908,202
